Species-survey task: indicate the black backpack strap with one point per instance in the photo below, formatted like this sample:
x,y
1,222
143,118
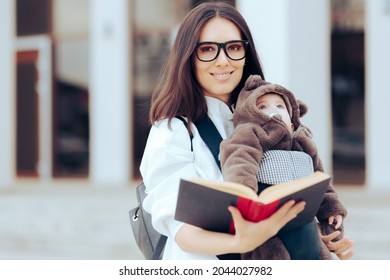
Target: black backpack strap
x,y
157,254
189,131
210,136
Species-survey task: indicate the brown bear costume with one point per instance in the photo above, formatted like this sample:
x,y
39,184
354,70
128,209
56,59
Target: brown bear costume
x,y
255,133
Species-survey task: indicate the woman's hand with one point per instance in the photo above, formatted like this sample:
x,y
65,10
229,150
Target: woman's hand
x,y
250,235
342,248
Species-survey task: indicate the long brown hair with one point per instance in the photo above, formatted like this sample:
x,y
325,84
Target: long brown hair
x,y
177,92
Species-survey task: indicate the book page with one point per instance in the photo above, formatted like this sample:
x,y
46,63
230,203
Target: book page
x,y
275,192
229,187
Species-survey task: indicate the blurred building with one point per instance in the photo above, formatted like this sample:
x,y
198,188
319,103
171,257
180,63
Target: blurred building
x,y
76,77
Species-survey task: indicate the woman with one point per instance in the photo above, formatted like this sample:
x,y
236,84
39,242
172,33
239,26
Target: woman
x,y
211,59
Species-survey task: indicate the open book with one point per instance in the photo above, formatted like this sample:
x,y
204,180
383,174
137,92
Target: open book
x,y
204,203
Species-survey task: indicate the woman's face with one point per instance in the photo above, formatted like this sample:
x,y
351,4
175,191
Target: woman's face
x,y
219,77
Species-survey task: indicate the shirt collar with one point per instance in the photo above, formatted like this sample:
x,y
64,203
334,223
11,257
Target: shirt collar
x,y
221,115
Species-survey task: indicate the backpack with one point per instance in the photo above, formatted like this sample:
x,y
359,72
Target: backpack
x,y
150,242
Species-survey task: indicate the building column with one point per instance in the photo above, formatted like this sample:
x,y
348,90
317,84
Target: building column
x,y
109,93
292,40
7,89
377,46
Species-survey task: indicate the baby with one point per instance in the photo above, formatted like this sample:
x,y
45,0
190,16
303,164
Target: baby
x,y
267,118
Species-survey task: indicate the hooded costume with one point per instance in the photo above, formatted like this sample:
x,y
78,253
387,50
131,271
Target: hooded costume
x,y
255,134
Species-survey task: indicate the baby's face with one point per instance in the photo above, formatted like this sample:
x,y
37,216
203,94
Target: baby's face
x,y
273,104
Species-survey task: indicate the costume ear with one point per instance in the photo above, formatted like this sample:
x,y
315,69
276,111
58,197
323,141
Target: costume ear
x,y
253,81
302,108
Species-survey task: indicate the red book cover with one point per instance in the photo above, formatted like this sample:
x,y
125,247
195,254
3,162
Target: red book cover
x,y
204,203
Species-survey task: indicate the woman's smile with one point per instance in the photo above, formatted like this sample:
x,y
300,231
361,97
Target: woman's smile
x,y
222,76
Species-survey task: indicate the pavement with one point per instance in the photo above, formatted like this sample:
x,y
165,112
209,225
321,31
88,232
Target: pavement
x,y
77,221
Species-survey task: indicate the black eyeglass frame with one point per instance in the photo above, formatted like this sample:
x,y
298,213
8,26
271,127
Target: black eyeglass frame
x,y
221,46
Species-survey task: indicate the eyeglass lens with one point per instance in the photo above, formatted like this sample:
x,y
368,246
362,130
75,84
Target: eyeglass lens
x,y
208,51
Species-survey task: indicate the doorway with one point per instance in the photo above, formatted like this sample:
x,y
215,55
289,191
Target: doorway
x,y
348,96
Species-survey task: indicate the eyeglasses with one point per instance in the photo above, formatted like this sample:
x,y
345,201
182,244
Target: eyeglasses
x,y
208,51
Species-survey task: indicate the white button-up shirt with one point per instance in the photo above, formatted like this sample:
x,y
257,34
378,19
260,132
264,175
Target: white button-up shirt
x,y
168,158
